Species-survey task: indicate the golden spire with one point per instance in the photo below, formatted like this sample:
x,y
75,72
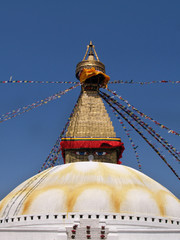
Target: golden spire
x,y
90,60
90,135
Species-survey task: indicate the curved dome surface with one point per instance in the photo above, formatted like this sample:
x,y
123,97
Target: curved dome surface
x,y
90,187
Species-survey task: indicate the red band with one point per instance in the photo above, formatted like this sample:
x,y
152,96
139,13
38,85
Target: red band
x,y
79,144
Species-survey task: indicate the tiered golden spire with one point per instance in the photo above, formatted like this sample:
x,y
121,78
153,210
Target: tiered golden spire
x,y
91,135
90,118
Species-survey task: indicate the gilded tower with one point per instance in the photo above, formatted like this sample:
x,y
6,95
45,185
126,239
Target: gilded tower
x,y
90,135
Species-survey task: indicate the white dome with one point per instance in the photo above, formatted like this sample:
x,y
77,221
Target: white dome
x,y
90,187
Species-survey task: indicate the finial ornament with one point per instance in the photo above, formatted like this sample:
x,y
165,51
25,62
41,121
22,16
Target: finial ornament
x,y
92,51
90,60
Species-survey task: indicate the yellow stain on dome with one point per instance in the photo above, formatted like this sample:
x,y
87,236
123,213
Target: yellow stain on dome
x,y
18,191
158,197
5,200
99,169
65,171
117,195
161,200
120,195
71,193
107,171
102,170
116,183
73,196
32,197
147,181
136,175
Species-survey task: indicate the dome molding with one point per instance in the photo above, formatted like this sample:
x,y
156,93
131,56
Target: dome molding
x,y
59,226
108,217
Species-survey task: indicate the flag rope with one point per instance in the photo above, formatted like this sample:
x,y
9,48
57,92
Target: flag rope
x,y
150,130
142,83
29,107
140,133
142,114
53,156
129,137
42,82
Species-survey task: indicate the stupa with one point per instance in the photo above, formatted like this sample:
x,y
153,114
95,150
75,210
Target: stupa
x,y
92,195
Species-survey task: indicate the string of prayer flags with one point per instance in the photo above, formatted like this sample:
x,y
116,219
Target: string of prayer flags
x,y
42,82
129,137
142,83
29,107
142,114
54,155
150,130
74,82
110,103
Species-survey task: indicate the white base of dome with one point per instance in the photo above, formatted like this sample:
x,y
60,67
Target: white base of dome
x,y
111,226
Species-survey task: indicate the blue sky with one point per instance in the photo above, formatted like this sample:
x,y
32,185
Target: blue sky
x,y
44,40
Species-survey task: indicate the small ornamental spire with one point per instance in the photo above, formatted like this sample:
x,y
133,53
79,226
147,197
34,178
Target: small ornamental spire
x,y
91,49
90,70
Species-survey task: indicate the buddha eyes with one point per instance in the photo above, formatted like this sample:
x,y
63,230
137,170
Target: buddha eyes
x,y
100,153
81,153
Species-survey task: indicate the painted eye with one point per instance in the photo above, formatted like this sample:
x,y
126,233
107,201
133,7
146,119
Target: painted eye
x,y
81,153
101,153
